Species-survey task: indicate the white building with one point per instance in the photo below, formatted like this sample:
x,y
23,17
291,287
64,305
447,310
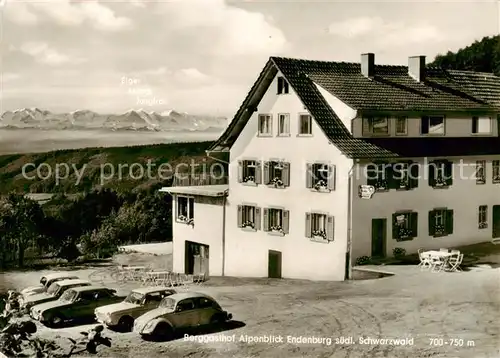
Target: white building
x,y
310,135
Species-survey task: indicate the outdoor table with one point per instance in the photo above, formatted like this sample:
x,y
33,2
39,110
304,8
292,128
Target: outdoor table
x,y
443,255
153,275
134,268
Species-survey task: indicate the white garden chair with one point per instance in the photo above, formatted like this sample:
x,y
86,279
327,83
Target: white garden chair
x,y
425,259
454,263
437,264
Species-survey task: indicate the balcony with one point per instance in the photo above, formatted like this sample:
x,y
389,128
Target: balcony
x,y
197,179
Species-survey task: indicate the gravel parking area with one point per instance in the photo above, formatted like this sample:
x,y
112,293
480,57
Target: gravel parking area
x,y
435,314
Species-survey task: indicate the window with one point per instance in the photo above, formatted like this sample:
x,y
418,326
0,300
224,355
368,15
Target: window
x,y
154,297
481,125
283,87
249,217
265,125
483,217
203,302
319,227
432,125
378,175
249,172
283,124
276,220
185,305
404,175
480,172
401,126
404,226
185,209
440,222
320,177
375,126
305,124
440,173
277,174
496,171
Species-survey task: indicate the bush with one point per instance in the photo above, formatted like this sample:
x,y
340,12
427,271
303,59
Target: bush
x,y
399,252
363,260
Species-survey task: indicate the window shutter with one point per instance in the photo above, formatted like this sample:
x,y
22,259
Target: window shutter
x,y
308,225
432,223
414,224
240,215
286,221
258,173
265,222
449,222
371,178
414,174
286,174
448,172
432,173
240,171
257,218
395,232
330,228
266,178
309,176
332,177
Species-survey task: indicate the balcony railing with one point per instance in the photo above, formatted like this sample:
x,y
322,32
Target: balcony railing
x,y
199,179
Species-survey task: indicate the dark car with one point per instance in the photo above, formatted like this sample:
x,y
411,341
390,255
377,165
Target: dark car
x,y
53,293
75,304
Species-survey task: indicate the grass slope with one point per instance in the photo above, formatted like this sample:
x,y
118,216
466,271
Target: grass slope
x,y
96,165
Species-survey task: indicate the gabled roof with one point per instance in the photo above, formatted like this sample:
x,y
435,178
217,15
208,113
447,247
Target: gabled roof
x,y
391,89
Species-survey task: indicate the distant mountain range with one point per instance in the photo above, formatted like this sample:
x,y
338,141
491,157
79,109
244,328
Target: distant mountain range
x,y
138,120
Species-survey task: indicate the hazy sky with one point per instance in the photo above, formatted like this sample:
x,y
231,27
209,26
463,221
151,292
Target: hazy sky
x,y
202,56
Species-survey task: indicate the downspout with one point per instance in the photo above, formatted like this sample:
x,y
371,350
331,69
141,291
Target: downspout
x,y
224,200
348,271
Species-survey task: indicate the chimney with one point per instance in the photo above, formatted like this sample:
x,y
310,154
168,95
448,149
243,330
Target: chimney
x,y
368,64
416,67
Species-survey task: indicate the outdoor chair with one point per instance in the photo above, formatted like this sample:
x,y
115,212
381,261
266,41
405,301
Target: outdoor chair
x,y
437,264
454,263
161,279
455,252
495,241
425,260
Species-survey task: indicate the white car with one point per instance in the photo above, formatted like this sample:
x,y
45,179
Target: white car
x,y
53,293
46,281
122,315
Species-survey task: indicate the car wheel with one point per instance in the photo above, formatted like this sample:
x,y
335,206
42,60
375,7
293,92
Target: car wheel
x,y
56,321
126,324
163,331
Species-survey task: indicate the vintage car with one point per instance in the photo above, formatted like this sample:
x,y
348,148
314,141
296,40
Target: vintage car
x,y
121,315
180,312
53,293
46,281
77,303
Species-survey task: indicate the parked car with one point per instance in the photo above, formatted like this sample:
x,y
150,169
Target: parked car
x,y
75,304
53,293
141,300
178,312
46,281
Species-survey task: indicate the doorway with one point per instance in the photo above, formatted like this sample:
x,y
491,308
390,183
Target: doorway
x,y
196,258
274,264
379,235
496,222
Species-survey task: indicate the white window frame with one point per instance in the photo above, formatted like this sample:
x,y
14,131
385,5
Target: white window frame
x,y
303,115
440,215
428,118
318,216
248,216
275,214
480,166
189,219
320,184
478,120
285,118
495,171
285,89
369,122
405,120
269,118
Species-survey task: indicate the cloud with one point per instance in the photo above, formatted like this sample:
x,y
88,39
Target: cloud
x,y
191,76
9,76
67,13
230,30
153,72
42,53
393,33
20,14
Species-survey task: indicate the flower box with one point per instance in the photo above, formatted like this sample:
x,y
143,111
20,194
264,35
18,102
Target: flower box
x,y
248,224
277,182
249,179
381,185
483,225
321,185
277,229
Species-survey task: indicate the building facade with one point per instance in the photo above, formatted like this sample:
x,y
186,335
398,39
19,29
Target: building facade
x,y
310,135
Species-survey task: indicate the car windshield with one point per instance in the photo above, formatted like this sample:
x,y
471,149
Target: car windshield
x,y
135,298
53,289
69,296
167,303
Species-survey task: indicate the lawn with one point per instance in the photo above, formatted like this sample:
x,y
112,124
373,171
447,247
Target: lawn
x,y
424,307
